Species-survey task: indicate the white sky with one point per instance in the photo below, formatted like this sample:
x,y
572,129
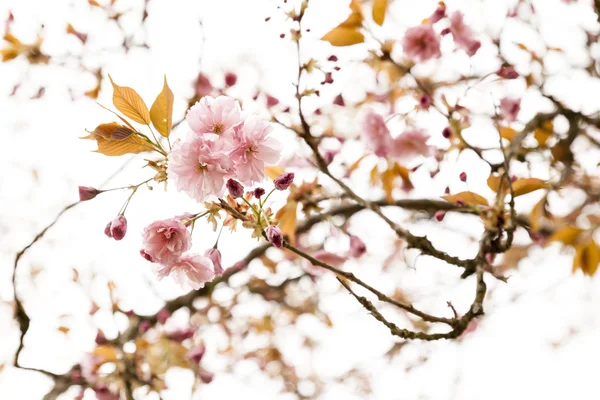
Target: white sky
x,y
511,355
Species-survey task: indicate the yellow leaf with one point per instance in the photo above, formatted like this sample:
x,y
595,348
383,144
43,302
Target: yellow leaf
x,y
354,165
287,219
507,133
544,132
387,181
107,353
493,182
374,176
587,257
273,171
527,185
115,140
161,112
379,7
130,103
63,329
537,212
467,198
346,33
341,36
567,236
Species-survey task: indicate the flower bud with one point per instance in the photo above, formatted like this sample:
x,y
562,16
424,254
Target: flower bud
x,y
259,192
205,376
144,326
215,256
439,215
181,334
235,188
339,101
463,176
275,236
507,72
87,193
118,227
425,101
357,247
447,132
100,338
438,14
196,353
107,230
163,316
230,79
283,181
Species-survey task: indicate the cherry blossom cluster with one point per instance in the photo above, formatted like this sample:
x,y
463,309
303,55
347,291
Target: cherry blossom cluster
x,y
222,144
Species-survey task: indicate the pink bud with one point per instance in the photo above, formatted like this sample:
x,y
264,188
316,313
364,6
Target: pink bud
x,y
163,316
329,155
107,230
490,257
196,353
87,193
463,176
447,190
357,247
275,236
230,79
507,72
205,376
332,58
118,227
215,256
439,215
144,326
259,192
425,101
339,101
283,181
328,78
445,31
271,101
100,338
181,334
438,14
447,132
235,188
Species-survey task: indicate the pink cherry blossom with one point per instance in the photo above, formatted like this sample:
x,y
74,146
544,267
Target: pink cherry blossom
x,y
376,134
421,43
410,144
357,247
199,167
165,241
214,117
215,256
191,270
254,149
462,34
510,108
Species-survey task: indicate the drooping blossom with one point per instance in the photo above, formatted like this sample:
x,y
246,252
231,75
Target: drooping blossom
x,y
199,167
215,117
191,270
259,192
254,148
165,241
376,134
462,34
87,193
510,108
235,188
118,227
410,144
421,43
215,256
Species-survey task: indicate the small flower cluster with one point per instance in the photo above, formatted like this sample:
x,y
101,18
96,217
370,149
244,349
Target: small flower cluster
x,y
166,243
222,144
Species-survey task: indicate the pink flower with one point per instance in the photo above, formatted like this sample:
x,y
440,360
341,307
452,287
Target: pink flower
x,y
376,134
507,72
196,353
254,149
421,43
214,118
410,144
510,108
199,167
191,270
215,256
165,241
202,86
357,247
463,34
438,14
283,181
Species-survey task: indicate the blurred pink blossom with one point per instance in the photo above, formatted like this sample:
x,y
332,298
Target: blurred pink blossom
x,y
421,43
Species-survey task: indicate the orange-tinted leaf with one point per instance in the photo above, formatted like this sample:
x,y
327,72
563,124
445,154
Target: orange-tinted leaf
x,y
115,140
467,198
567,236
374,176
106,353
63,329
507,133
537,212
493,182
379,8
544,132
587,257
527,185
130,103
387,181
342,36
273,171
161,112
287,219
355,165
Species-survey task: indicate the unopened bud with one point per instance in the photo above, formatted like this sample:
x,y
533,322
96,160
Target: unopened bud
x,y
275,236
463,176
259,192
215,256
230,79
235,188
87,193
118,227
439,215
283,181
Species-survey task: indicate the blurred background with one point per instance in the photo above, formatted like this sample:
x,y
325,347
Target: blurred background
x,y
538,339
